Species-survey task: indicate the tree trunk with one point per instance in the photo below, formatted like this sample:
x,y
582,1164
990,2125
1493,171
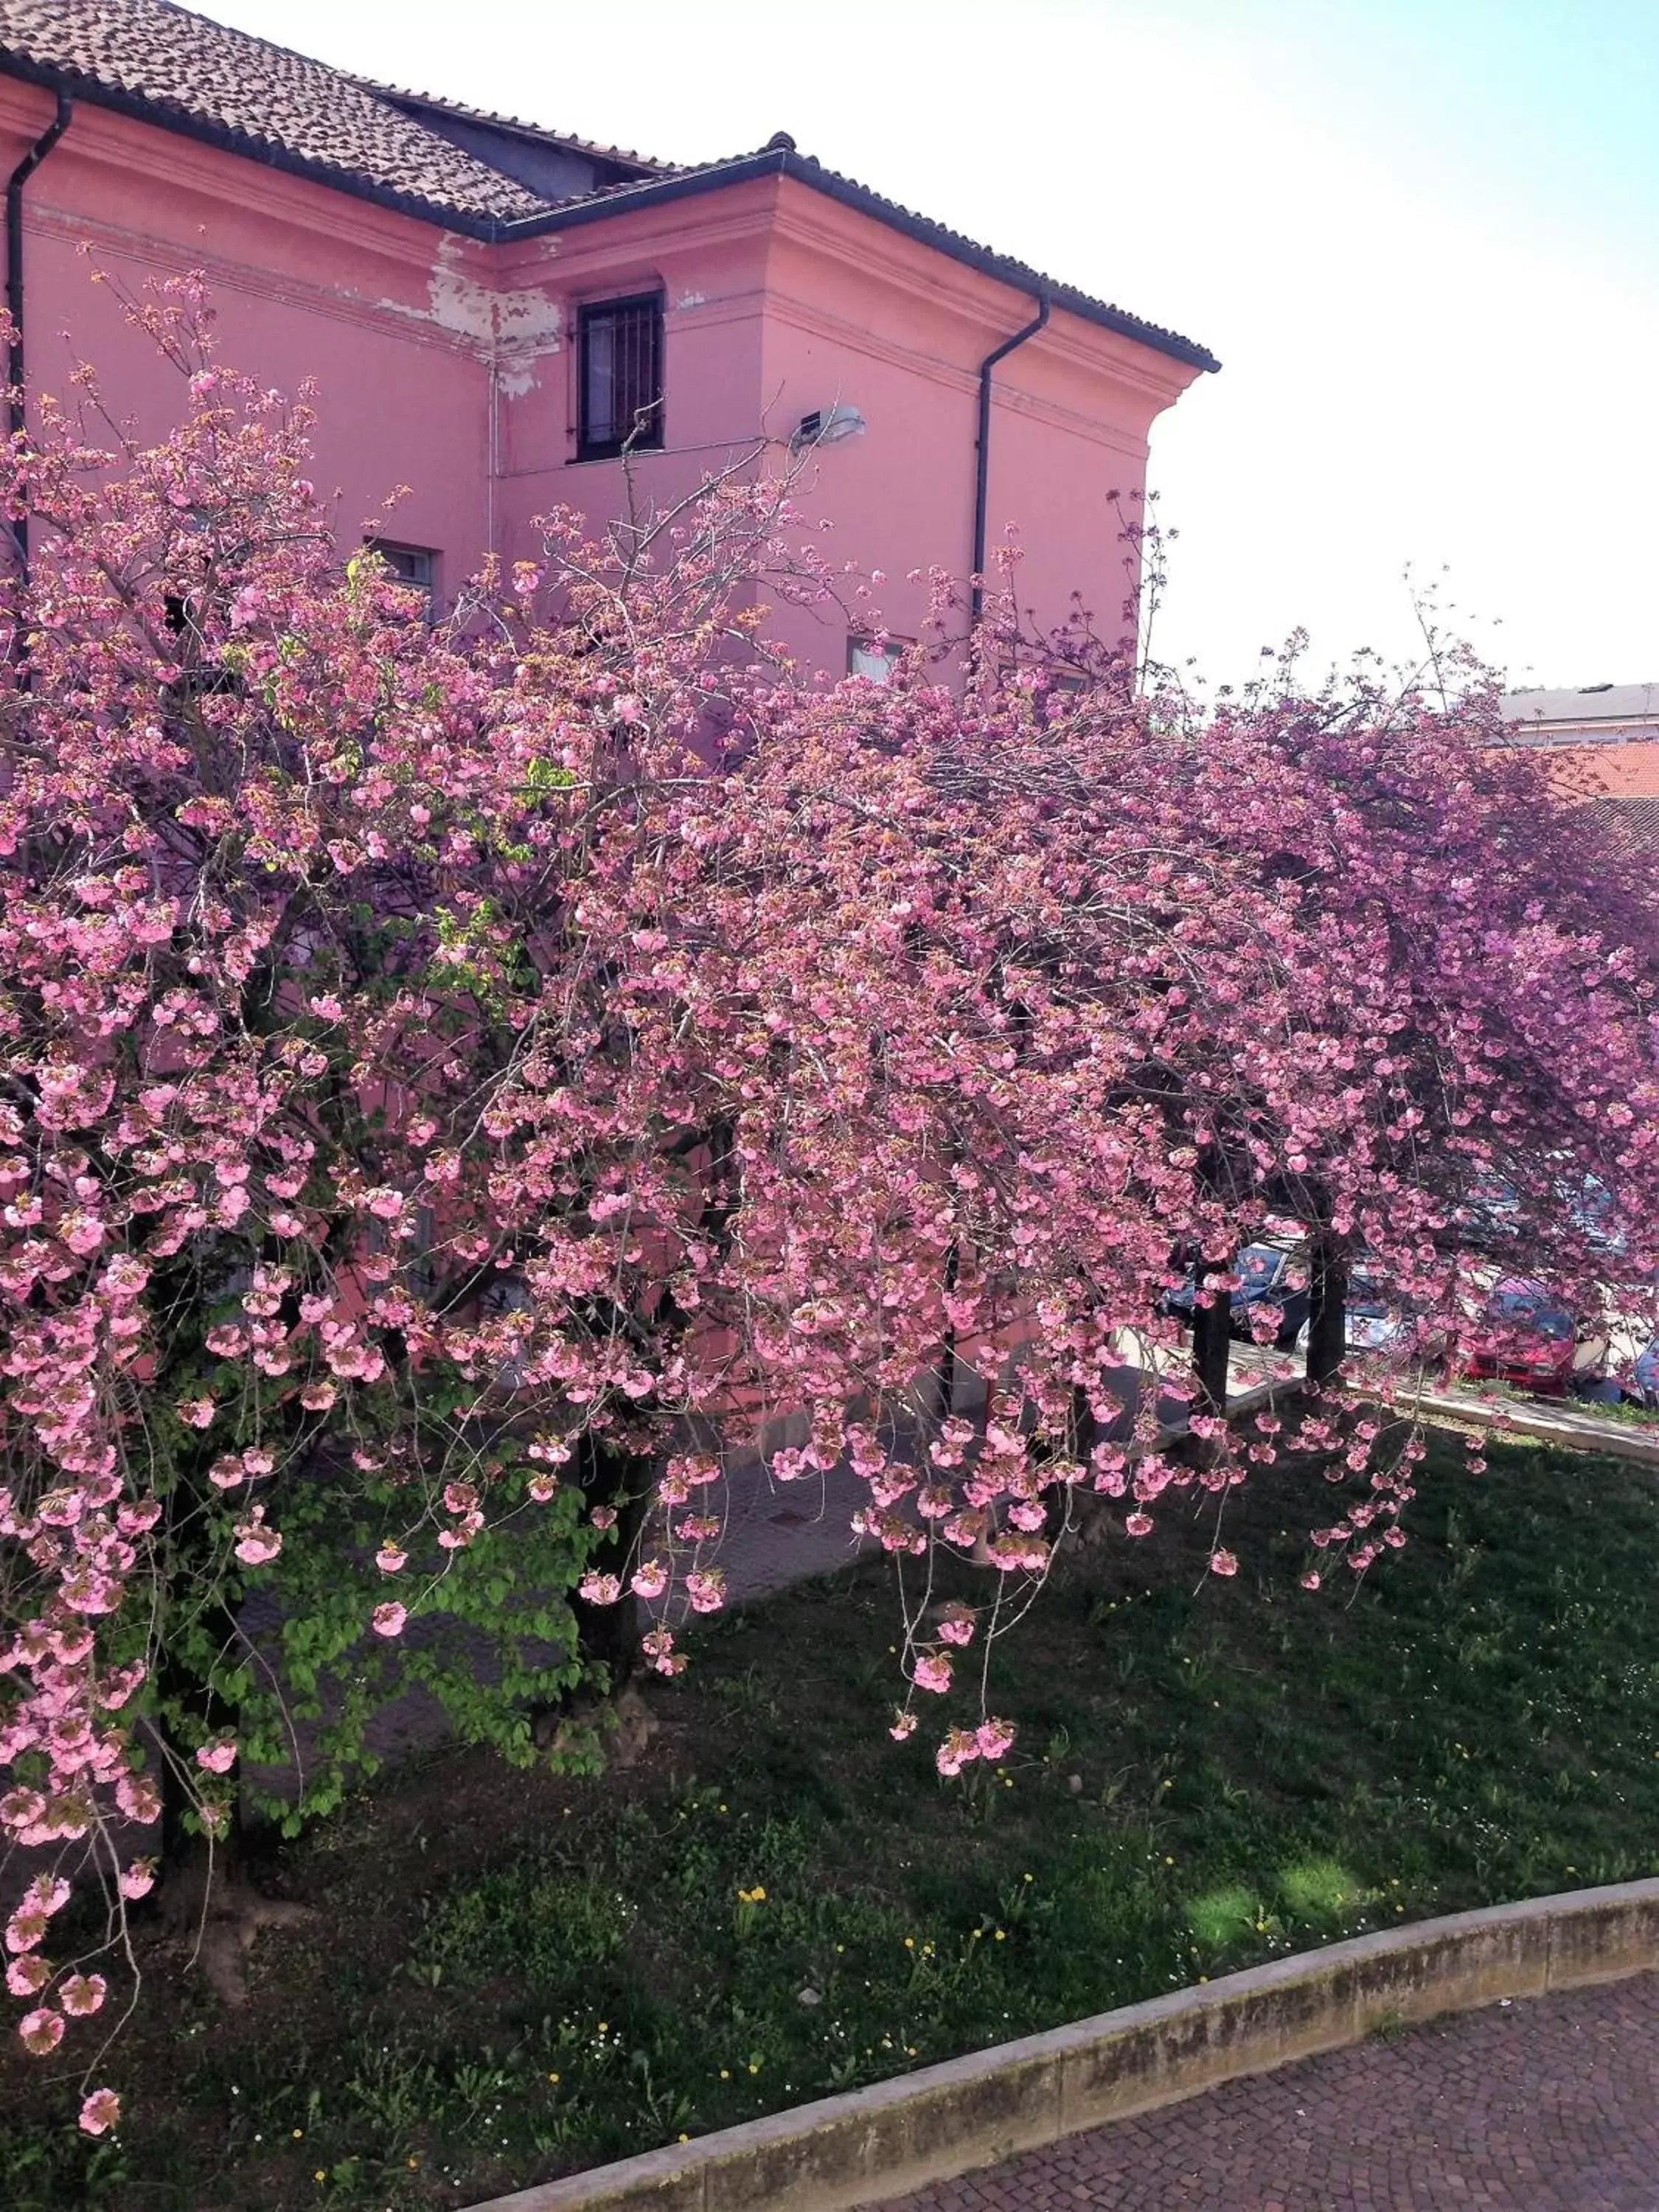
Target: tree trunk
x,y
608,1635
1328,1308
1211,1340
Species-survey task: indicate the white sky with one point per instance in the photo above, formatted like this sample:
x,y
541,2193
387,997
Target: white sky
x,y
1422,235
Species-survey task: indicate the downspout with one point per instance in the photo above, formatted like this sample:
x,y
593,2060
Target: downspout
x,y
17,409
983,471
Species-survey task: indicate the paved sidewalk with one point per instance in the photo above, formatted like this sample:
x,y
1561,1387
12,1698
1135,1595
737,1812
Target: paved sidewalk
x,y
776,1533
1579,1423
1546,2105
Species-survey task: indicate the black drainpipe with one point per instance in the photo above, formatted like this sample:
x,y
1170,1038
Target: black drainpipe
x,y
982,473
20,176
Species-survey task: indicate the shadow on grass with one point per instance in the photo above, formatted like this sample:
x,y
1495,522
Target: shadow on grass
x,y
515,1976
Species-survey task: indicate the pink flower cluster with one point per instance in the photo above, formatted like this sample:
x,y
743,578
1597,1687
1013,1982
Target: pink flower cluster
x,y
647,1056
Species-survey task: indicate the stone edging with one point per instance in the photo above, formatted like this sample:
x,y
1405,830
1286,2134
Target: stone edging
x,y
945,2120
1613,1439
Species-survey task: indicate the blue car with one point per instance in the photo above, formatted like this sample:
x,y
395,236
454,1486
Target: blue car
x,y
1264,1272
1645,1376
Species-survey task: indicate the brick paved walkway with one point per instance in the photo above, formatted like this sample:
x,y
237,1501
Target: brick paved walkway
x,y
1549,2105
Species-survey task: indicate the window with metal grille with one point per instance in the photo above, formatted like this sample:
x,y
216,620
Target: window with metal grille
x,y
414,566
876,660
620,356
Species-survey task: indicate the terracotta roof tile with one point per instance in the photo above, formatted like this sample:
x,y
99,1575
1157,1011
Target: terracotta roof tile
x,y
1630,770
183,69
1629,825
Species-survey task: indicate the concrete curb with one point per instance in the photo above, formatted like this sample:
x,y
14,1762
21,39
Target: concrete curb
x,y
945,2120
1612,1439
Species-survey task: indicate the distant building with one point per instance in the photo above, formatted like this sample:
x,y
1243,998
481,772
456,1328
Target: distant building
x,y
492,309
1604,743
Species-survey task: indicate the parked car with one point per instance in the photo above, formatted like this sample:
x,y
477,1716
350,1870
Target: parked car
x,y
1489,1215
1268,1275
1592,1210
1533,1340
1639,1384
1369,1324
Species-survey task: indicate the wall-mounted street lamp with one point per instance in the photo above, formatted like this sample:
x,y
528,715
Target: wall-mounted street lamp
x,y
826,426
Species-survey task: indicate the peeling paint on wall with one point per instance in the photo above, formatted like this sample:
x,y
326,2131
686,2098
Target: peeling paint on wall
x,y
511,329
691,300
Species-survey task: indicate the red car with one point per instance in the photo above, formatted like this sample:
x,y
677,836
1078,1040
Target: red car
x,y
1533,1342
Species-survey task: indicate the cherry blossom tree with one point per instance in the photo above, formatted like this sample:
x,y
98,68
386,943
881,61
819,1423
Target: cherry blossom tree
x,y
463,1081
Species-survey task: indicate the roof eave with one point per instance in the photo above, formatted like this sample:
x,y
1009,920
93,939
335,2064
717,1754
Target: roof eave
x,y
165,116
785,162
659,192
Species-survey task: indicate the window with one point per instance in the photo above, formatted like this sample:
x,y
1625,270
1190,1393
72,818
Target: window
x,y
875,661
416,566
619,362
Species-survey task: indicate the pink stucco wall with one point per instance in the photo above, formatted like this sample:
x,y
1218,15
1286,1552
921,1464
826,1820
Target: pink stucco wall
x,y
444,365
858,314
306,283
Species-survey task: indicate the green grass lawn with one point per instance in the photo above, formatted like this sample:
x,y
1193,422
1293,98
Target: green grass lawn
x,y
513,1976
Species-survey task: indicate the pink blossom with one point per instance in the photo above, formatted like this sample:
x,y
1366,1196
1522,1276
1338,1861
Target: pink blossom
x,y
42,2031
25,1928
959,1747
658,1645
28,1974
82,1994
218,1758
388,1620
138,1798
255,1544
649,1580
904,1724
728,1072
706,1589
100,2111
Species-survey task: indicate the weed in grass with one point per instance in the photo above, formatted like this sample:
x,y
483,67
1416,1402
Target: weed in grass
x,y
1222,1917
1320,1889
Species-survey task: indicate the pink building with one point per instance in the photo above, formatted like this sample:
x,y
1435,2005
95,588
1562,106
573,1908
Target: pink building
x,y
488,309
